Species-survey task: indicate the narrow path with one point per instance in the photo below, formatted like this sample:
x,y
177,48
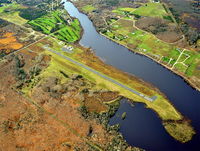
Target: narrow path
x,y
182,62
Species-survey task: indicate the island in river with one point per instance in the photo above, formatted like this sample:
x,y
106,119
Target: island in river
x,y
57,82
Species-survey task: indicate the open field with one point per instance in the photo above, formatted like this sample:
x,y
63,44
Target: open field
x,y
10,13
149,9
152,10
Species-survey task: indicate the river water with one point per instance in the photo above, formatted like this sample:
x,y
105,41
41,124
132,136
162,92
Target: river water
x,y
142,127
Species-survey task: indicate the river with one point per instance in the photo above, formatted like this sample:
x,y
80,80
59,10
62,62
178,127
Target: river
x,y
142,127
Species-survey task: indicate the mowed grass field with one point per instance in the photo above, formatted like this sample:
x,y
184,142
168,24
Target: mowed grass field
x,y
149,10
152,10
10,13
54,24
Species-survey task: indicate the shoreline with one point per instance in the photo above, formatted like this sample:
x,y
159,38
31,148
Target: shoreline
x,y
184,120
186,79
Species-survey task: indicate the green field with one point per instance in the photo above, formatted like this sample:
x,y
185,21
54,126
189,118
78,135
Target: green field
x,y
10,13
54,24
10,7
150,10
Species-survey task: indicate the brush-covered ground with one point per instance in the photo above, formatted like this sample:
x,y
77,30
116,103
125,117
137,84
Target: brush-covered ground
x,y
45,99
46,104
187,14
149,28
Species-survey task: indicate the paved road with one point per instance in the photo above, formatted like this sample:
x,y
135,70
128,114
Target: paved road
x,y
103,76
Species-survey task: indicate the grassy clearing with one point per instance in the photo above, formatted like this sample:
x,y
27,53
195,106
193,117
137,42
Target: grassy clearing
x,y
10,7
127,9
88,8
10,13
193,62
151,10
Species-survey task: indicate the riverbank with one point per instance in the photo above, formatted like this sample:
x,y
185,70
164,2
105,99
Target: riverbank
x,y
191,80
186,79
161,106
